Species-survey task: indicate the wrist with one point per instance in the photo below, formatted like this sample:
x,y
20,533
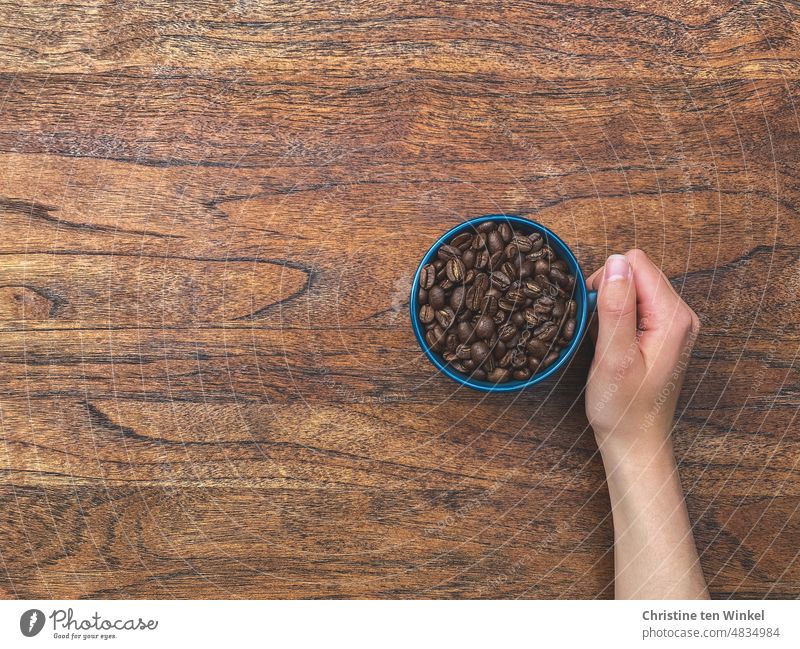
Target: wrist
x,y
627,456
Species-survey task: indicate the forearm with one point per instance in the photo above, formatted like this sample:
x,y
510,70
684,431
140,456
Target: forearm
x,y
654,551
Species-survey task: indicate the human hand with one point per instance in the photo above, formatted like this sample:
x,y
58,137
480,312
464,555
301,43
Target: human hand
x,y
644,337
643,341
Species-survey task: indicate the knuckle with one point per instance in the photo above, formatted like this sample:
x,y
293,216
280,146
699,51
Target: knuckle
x,y
685,321
635,254
695,326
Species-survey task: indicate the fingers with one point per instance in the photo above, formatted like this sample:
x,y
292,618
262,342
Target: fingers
x,y
666,320
616,308
593,283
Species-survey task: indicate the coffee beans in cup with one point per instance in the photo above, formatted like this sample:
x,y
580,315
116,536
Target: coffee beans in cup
x,y
497,304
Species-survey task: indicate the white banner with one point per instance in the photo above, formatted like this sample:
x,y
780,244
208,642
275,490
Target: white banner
x,y
379,624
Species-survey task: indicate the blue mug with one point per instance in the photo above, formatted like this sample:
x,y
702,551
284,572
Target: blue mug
x,y
585,299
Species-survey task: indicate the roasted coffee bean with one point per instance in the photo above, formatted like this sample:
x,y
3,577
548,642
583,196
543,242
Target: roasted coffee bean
x,y
455,270
479,352
463,352
509,270
569,329
498,375
561,278
451,342
474,299
489,305
457,298
508,305
551,358
500,280
436,297
522,243
481,283
447,252
542,267
518,358
460,239
427,277
465,332
512,254
506,332
445,317
494,241
537,348
536,240
484,327
531,317
522,374
531,288
546,300
572,308
433,341
426,314
468,258
546,331
526,269
496,304
496,259
482,259
505,359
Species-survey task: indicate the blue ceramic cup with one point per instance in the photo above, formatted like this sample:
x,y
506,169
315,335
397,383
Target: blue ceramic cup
x,y
585,299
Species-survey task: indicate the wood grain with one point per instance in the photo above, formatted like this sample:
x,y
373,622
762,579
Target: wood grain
x,y
211,213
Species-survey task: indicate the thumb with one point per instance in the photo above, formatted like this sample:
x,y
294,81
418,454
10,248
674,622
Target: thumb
x,y
616,309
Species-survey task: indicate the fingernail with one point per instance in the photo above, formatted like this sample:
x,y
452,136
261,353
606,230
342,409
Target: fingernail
x,y
617,267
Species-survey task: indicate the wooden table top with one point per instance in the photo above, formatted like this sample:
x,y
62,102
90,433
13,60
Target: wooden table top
x,y
211,213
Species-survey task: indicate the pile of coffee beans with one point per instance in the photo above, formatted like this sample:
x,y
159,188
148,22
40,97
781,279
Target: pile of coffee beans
x,y
497,304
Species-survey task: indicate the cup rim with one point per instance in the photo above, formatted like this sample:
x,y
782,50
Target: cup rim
x,y
565,354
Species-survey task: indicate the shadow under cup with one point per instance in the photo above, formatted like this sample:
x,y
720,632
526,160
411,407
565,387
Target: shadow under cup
x,y
585,300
